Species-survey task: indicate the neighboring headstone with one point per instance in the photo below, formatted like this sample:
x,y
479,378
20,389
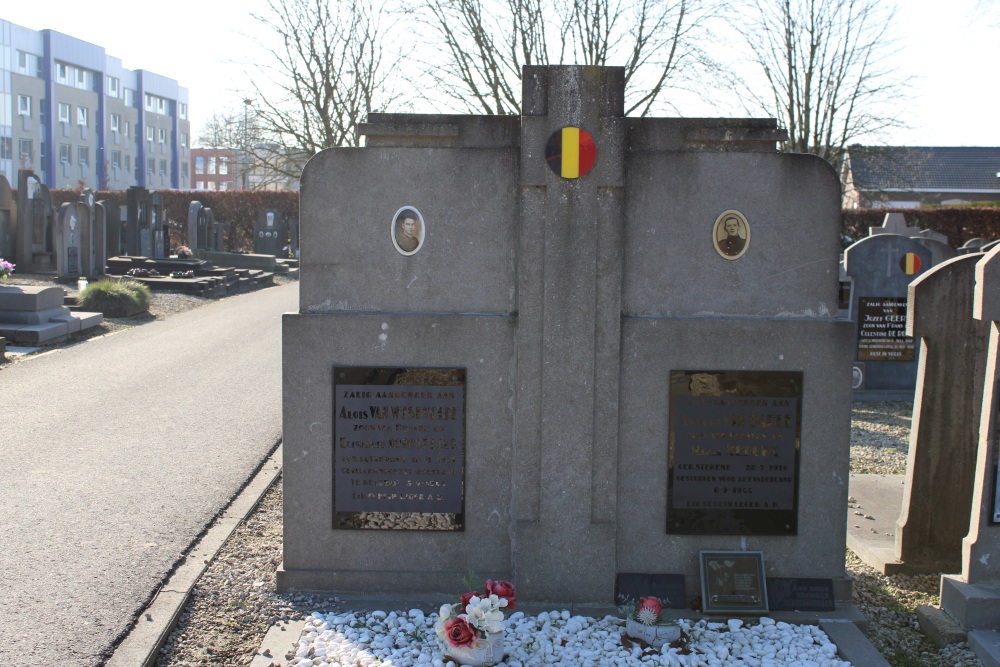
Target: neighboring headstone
x,y
613,283
881,268
35,244
73,241
270,233
217,238
117,223
972,246
946,409
196,232
8,220
159,229
940,252
138,234
99,252
293,233
932,235
894,223
973,597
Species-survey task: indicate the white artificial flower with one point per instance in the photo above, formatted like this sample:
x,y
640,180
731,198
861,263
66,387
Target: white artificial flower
x,y
484,613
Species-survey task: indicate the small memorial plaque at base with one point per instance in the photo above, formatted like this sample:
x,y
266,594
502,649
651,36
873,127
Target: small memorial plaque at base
x,y
398,448
797,594
632,586
732,582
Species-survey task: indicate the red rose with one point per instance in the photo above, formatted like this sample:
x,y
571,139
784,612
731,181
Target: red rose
x,y
502,589
467,597
459,632
651,603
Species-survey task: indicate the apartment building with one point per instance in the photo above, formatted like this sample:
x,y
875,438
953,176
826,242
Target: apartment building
x,y
216,169
77,117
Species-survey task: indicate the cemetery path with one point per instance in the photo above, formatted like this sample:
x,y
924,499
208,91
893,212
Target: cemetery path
x,y
116,454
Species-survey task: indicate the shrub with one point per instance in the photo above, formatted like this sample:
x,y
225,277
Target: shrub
x,y
115,297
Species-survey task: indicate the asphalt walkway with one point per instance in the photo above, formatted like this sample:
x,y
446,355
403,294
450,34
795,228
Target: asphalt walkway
x,y
114,455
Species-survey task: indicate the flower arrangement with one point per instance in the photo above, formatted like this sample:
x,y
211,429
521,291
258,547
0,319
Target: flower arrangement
x,y
6,268
182,274
646,611
184,252
462,625
143,273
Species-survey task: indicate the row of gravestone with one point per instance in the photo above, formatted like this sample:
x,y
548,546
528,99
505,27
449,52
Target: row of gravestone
x,y
950,516
77,239
876,273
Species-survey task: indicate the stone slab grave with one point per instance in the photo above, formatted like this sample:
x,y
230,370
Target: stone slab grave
x,y
563,347
880,268
35,237
33,314
971,596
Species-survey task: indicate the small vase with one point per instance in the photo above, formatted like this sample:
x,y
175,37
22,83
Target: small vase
x,y
486,652
654,635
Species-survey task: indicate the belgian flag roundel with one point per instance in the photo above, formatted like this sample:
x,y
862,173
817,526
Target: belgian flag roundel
x,y
570,152
910,263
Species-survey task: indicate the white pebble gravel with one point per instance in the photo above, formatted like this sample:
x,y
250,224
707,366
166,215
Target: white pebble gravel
x,y
407,639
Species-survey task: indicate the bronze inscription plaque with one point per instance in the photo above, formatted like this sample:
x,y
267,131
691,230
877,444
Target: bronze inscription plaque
x,y
882,330
734,452
398,448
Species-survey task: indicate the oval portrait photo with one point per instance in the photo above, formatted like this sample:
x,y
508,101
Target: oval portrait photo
x,y
407,230
731,235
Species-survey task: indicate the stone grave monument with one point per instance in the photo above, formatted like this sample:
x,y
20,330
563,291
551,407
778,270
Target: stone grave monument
x,y
99,247
936,242
8,220
562,348
35,242
159,229
138,233
197,230
880,268
270,233
73,240
944,433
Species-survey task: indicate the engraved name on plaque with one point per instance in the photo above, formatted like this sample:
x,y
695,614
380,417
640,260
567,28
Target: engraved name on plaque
x,y
734,452
882,330
399,448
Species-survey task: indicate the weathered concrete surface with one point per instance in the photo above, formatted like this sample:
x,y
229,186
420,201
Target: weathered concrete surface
x,y
117,453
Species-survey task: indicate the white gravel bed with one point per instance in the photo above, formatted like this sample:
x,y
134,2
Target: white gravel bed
x,y
407,639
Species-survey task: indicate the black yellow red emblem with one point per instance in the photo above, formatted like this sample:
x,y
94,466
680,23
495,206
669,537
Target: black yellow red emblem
x,y
570,152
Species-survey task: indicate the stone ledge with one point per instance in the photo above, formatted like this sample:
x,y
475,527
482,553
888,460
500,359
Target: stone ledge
x,y
939,627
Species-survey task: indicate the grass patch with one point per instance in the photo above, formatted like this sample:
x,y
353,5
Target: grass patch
x,y
115,297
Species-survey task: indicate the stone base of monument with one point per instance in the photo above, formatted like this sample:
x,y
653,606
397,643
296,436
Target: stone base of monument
x,y
976,609
973,606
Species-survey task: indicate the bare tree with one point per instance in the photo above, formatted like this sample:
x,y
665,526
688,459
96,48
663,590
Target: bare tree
x,y
483,44
826,64
222,130
324,75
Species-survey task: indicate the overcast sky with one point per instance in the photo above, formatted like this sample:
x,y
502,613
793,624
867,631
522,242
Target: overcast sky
x,y
198,42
